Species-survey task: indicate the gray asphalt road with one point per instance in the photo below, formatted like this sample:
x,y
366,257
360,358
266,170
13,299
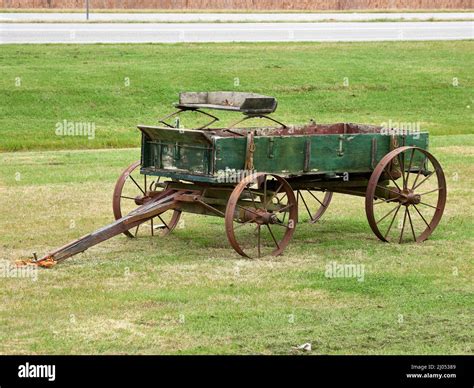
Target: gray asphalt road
x,y
228,32
230,17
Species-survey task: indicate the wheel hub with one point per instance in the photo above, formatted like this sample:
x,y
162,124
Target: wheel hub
x,y
409,197
260,216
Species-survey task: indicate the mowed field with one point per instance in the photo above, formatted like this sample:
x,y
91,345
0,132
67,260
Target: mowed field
x,y
116,87
189,292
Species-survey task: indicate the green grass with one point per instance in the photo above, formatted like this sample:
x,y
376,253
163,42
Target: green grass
x,y
190,293
403,81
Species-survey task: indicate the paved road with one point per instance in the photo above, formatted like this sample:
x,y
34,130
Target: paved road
x,y
229,32
229,17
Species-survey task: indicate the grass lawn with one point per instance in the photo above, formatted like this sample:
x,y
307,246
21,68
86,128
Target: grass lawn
x,y
42,85
191,293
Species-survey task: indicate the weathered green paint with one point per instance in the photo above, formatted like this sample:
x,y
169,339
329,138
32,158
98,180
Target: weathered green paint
x,y
198,156
285,155
176,151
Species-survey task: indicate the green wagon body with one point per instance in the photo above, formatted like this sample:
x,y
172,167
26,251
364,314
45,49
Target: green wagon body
x,y
324,150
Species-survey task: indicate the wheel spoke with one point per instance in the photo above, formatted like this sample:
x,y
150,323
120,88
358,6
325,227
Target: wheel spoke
x,y
125,197
427,204
391,178
251,196
282,198
386,215
273,237
403,226
136,184
432,191
409,166
316,198
240,224
386,188
423,218
391,223
285,208
282,224
419,172
307,209
411,224
401,161
426,178
247,209
386,200
276,192
164,223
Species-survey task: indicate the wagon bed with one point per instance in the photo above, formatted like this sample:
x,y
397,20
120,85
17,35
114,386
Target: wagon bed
x,y
305,150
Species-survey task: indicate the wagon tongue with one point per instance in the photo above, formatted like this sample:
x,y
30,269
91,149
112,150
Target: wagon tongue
x,y
164,201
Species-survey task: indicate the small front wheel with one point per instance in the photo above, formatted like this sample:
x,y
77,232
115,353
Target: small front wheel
x,y
314,203
134,189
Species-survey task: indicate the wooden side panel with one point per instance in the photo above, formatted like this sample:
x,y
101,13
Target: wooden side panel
x,y
230,153
286,155
175,151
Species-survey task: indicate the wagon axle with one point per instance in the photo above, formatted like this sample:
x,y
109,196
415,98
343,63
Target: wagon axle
x,y
259,216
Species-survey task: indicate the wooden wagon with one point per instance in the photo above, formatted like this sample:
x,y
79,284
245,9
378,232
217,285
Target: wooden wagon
x,y
264,180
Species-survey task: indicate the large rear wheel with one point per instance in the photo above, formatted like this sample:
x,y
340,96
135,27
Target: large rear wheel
x,y
406,196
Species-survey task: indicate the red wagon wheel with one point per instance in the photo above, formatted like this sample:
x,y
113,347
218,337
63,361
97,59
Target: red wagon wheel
x,y
314,203
132,190
261,215
406,195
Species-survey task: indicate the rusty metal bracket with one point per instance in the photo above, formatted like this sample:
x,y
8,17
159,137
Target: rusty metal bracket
x,y
250,152
162,120
393,142
214,118
271,147
342,139
253,116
